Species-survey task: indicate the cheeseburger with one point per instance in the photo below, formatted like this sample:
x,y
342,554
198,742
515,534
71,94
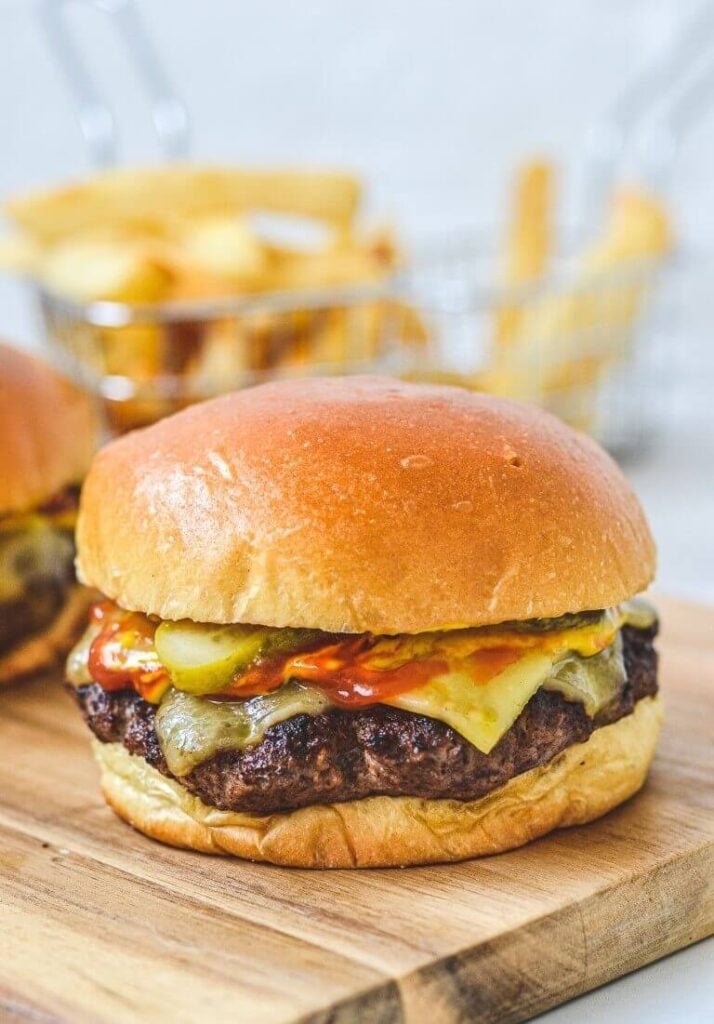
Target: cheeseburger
x,y
355,622
47,437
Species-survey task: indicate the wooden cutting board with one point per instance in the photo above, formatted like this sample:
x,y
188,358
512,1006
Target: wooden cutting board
x,y
98,923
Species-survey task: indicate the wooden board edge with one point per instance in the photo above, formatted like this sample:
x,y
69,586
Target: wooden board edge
x,y
17,1009
562,955
553,958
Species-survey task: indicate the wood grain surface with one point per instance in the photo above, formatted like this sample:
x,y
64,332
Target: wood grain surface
x,y
98,923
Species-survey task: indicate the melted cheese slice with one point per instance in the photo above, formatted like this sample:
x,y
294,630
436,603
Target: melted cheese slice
x,y
481,713
18,522
486,678
483,709
31,545
457,647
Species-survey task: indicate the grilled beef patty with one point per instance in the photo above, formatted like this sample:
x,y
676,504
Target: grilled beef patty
x,y
44,595
33,612
346,755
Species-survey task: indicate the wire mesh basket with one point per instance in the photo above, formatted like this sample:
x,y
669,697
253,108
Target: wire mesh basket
x,y
591,351
589,347
144,362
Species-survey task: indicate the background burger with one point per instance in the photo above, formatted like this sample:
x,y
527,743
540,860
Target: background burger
x,y
47,437
357,622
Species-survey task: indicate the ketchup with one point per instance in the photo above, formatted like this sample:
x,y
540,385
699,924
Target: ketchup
x,y
343,671
122,655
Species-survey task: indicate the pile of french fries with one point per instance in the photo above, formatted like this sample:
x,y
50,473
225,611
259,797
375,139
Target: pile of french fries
x,y
554,342
190,238
182,235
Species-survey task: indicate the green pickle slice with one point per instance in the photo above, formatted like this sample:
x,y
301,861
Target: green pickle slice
x,y
206,659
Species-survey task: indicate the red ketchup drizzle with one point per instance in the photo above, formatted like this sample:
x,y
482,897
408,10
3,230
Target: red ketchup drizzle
x,y
341,671
352,684
122,654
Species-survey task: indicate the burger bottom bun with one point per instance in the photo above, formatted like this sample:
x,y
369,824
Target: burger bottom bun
x,y
581,784
42,650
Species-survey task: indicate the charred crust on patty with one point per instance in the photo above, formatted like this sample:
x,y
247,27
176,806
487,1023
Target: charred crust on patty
x,y
33,612
43,596
341,755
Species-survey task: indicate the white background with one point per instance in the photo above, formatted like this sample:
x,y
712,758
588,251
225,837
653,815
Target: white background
x,y
434,101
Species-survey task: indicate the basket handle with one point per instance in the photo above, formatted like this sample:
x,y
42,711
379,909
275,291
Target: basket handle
x,y
97,123
653,110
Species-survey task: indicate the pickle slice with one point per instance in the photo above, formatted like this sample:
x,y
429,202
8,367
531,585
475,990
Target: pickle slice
x,y
206,659
290,641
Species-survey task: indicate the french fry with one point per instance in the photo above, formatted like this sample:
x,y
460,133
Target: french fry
x,y
133,350
129,197
225,247
190,234
411,327
119,271
19,254
639,228
223,361
343,263
597,309
559,347
529,238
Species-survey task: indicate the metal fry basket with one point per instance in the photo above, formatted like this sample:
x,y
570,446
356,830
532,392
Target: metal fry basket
x,y
592,352
590,349
145,362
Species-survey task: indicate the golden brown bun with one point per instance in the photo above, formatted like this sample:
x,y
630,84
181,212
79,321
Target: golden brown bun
x,y
48,432
581,784
46,649
361,505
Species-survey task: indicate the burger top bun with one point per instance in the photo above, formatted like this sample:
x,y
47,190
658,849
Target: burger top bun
x,y
48,432
361,505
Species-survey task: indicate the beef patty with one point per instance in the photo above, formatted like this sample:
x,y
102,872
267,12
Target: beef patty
x,y
346,755
33,612
43,595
